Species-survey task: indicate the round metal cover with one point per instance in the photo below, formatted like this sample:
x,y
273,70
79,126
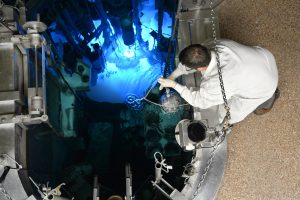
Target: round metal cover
x,y
34,27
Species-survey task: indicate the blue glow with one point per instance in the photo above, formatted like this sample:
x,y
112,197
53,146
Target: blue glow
x,y
129,53
167,25
97,23
111,27
134,28
124,76
99,40
57,36
134,102
130,71
81,37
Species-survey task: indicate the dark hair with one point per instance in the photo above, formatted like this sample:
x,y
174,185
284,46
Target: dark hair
x,y
195,56
196,131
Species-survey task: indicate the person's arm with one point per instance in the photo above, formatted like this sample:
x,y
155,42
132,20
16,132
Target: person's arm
x,y
201,98
169,82
175,74
180,70
166,83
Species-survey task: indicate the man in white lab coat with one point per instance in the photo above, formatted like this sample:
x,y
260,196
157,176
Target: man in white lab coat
x,y
249,74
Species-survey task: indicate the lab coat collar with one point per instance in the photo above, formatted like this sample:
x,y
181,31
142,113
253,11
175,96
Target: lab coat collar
x,y
211,66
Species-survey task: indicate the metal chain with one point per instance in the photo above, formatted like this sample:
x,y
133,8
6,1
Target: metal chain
x,y
209,162
5,193
213,16
226,125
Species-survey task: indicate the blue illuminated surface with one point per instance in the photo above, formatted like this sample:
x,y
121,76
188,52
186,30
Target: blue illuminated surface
x,y
130,70
129,53
57,36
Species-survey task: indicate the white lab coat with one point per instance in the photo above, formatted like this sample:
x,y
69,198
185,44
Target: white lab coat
x,y
250,78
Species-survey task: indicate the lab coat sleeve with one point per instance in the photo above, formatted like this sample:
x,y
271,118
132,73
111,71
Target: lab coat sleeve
x,y
180,70
199,98
176,73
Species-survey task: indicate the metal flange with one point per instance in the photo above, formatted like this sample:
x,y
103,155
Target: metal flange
x,y
34,27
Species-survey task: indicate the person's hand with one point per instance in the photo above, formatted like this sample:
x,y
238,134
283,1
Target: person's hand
x,y
166,83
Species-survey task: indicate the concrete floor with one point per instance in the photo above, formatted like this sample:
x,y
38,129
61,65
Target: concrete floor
x,y
264,151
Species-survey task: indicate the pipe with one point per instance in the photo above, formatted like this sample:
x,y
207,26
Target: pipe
x,y
172,38
36,72
44,81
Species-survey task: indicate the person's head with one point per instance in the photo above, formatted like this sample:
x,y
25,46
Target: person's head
x,y
195,56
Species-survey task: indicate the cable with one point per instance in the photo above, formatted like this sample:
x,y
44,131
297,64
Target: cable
x,y
68,85
6,26
157,104
147,27
18,165
13,7
3,4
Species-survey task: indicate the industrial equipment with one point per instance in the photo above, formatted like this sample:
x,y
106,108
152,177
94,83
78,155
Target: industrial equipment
x,y
76,54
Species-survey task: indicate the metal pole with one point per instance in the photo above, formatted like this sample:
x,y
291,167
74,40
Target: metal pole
x,y
36,72
44,80
128,182
158,175
161,190
96,189
172,38
167,184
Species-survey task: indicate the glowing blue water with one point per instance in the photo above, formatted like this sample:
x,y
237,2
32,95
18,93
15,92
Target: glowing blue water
x,y
130,70
133,76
